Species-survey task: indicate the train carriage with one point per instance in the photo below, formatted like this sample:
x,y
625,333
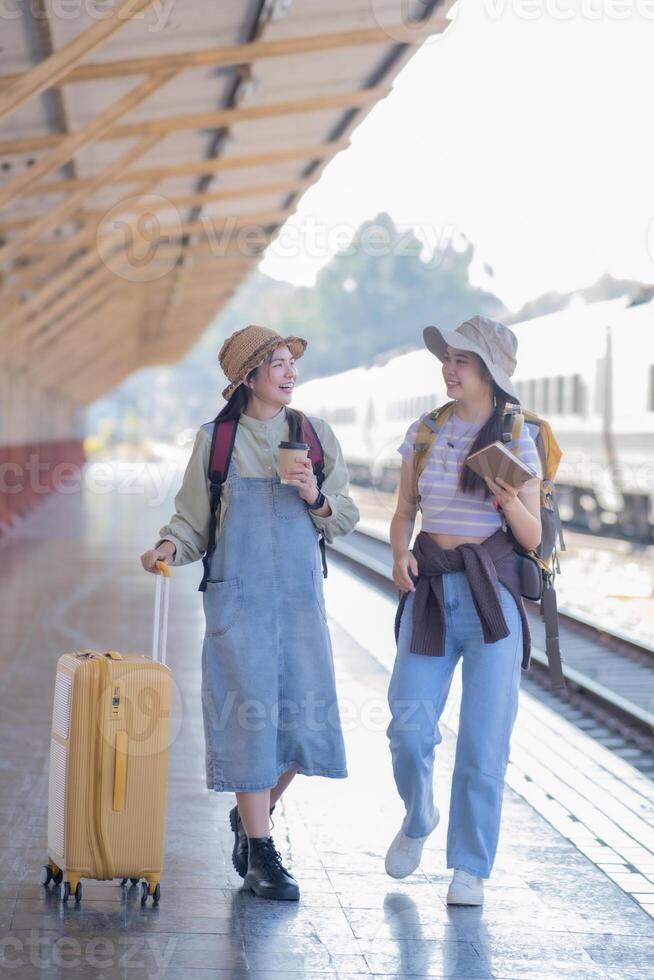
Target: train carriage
x,y
588,369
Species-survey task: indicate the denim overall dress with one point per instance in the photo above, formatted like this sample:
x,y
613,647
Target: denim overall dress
x,y
268,690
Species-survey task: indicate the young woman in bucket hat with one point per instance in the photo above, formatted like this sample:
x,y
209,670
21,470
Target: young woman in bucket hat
x,y
461,598
268,694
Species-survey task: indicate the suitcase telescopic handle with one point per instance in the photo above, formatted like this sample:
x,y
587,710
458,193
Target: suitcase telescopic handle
x,y
160,625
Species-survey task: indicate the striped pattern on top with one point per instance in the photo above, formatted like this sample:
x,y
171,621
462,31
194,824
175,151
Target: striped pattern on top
x,y
445,508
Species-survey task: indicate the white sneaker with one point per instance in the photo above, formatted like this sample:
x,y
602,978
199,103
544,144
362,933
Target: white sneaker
x,y
465,889
403,856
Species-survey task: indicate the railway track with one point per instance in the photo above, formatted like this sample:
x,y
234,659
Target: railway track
x,y
610,679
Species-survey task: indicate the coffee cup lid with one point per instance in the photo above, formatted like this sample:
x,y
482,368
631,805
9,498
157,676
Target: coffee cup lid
x,y
293,445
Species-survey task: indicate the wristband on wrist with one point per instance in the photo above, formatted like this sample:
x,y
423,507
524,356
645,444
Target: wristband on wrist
x,y
318,502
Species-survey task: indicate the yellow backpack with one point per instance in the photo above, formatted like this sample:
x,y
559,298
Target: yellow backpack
x,y
537,567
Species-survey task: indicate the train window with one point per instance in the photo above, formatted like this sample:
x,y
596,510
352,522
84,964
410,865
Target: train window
x,y
650,389
559,406
577,399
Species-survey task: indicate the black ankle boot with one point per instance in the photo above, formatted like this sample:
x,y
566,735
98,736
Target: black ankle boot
x,y
240,849
266,875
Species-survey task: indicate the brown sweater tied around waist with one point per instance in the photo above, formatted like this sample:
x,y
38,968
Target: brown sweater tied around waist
x,y
486,565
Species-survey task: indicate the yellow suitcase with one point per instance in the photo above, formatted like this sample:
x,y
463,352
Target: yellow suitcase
x,y
109,764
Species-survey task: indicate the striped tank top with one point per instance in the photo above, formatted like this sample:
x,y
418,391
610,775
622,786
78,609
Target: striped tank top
x,y
445,508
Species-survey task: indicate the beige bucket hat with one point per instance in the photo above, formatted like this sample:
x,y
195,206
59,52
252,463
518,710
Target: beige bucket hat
x,y
490,340
246,349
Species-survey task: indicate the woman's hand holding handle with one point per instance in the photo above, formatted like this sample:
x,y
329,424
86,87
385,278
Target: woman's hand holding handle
x,y
165,552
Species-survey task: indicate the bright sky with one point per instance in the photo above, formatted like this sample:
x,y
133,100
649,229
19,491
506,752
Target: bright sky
x,y
527,127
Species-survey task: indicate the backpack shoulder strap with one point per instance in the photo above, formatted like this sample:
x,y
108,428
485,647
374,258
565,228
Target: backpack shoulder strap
x,y
302,430
551,451
222,447
428,429
316,454
220,455
512,428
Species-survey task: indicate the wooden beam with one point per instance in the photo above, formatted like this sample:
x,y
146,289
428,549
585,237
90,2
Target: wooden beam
x,y
110,365
209,120
69,207
56,284
211,165
104,356
17,89
187,200
244,54
50,354
204,250
43,268
73,142
45,271
57,361
38,324
212,225
39,270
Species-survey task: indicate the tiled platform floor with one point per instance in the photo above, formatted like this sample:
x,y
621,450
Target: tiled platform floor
x,y
71,577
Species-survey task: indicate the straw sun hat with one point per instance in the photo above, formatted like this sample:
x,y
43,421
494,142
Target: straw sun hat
x,y
490,340
246,349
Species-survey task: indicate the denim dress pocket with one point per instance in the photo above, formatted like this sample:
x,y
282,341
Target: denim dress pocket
x,y
222,604
288,505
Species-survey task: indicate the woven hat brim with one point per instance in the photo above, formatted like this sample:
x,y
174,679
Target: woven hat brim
x,y
296,345
437,341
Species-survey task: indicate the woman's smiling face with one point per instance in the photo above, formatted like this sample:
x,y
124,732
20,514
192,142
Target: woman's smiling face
x,y
275,379
462,374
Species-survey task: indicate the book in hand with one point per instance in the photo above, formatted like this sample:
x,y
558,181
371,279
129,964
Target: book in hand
x,y
495,460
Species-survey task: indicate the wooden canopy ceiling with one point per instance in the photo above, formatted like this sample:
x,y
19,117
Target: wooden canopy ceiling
x,y
150,150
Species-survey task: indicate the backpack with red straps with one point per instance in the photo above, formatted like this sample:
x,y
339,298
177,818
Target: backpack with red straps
x,y
222,447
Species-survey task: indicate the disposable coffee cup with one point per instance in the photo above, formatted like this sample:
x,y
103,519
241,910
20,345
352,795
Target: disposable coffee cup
x,y
288,451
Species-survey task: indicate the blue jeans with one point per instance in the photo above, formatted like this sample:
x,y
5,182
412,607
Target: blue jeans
x,y
417,694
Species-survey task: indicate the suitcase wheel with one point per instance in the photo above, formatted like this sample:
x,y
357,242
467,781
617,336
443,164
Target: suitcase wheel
x,y
134,881
145,891
48,874
65,891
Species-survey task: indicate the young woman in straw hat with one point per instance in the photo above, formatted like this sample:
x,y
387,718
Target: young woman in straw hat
x,y
268,694
461,598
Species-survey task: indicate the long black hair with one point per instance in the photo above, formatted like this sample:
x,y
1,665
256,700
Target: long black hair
x,y
235,406
491,431
237,403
